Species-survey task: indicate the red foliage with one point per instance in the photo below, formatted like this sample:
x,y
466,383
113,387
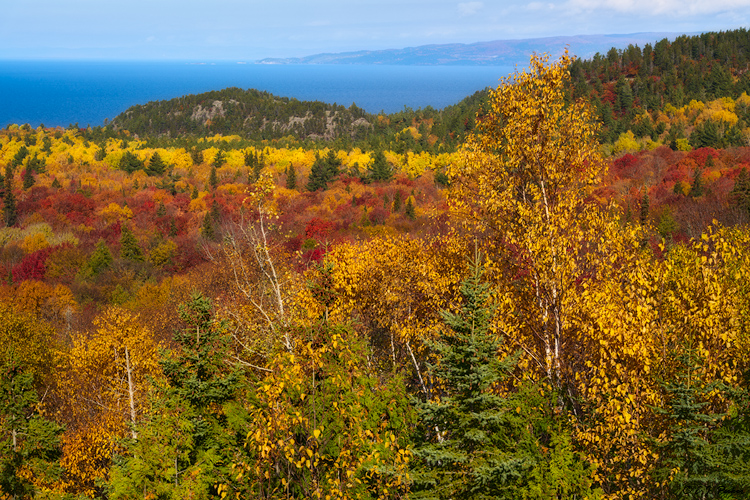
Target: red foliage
x,y
700,155
31,266
75,206
378,215
319,229
624,166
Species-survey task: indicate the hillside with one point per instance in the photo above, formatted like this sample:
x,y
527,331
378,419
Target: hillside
x,y
297,311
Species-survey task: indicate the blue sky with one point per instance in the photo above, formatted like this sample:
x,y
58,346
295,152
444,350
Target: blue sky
x,y
253,29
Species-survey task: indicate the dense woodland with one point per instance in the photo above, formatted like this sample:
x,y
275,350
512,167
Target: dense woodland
x,y
541,292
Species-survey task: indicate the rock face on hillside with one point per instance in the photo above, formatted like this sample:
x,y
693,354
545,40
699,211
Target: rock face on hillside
x,y
249,113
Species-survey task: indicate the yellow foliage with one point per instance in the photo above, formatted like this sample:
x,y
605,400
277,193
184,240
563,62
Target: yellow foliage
x,y
34,242
163,254
199,204
626,142
114,212
27,337
417,164
397,284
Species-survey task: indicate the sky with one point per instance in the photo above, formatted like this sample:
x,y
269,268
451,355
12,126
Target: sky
x,y
248,30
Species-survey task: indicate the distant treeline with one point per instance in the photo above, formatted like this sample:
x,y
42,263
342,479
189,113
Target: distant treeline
x,y
626,86
626,83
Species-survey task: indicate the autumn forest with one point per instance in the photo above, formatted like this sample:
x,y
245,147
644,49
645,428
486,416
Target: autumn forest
x,y
541,292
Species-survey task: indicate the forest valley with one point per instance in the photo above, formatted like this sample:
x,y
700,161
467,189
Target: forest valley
x,y
545,311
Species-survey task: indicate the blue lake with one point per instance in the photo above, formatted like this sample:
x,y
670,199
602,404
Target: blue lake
x,y
60,93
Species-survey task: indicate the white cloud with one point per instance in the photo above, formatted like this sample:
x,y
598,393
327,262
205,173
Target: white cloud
x,y
469,8
650,7
536,6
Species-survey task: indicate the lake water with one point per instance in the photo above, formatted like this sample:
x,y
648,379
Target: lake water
x,y
61,93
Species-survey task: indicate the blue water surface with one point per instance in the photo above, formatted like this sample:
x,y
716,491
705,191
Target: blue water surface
x,y
60,93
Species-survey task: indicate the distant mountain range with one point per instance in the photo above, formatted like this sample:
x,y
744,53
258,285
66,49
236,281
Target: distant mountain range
x,y
495,53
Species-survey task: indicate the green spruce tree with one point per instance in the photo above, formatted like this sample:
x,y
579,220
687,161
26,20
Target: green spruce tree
x,y
213,179
291,177
379,169
185,447
9,200
409,210
156,165
28,441
129,248
473,443
28,178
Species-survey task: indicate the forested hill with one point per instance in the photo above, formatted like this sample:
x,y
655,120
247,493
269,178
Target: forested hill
x,y
630,87
251,113
257,115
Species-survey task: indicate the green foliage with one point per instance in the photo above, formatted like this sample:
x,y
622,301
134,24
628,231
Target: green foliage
x,y
475,443
183,449
28,178
741,191
18,158
129,162
219,160
9,199
323,171
379,169
100,260
291,177
696,189
397,201
213,179
409,210
156,165
667,226
322,423
129,248
705,454
28,441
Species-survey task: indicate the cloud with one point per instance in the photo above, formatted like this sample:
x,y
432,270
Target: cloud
x,y
536,6
469,8
651,7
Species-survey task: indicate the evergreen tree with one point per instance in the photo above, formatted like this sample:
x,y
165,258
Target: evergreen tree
x,y
213,179
319,174
291,177
196,155
644,216
219,159
100,153
184,449
696,190
397,201
693,460
333,163
29,443
129,248
475,443
409,210
379,169
18,158
129,162
741,192
28,178
36,165
156,165
101,259
9,199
